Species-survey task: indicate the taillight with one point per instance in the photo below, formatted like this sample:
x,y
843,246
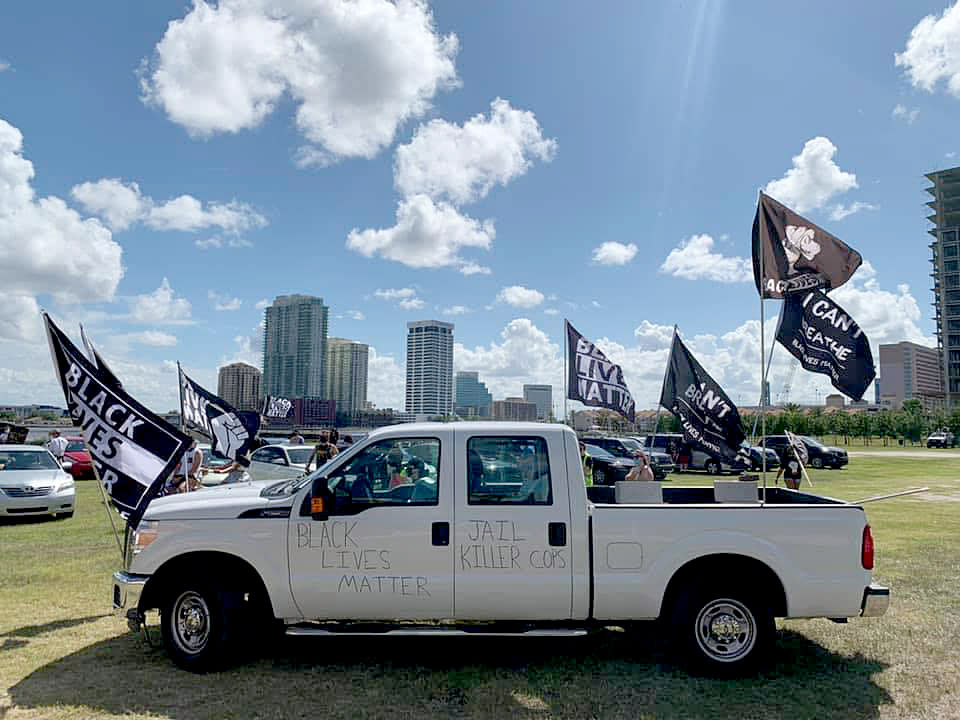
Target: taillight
x,y
866,549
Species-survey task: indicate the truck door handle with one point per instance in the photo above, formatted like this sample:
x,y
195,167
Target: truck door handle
x,y
440,533
557,534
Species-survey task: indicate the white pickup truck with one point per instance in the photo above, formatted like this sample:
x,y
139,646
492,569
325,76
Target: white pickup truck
x,y
488,528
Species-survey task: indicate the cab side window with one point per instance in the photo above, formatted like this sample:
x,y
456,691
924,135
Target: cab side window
x,y
508,471
269,455
399,471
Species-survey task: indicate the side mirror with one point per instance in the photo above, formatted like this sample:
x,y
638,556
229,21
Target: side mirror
x,y
66,465
321,499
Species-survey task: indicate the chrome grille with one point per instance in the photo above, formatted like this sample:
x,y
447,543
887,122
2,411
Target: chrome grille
x,y
20,492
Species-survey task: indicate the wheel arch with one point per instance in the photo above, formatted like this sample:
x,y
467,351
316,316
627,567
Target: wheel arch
x,y
717,566
223,566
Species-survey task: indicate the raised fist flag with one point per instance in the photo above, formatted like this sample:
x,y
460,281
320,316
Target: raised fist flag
x,y
231,432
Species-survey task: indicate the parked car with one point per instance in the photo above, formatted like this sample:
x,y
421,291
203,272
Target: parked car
x,y
818,454
279,462
212,465
81,466
329,555
33,483
940,439
755,453
699,459
628,447
607,467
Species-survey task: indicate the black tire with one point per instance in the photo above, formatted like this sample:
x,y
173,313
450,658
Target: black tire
x,y
816,462
712,467
198,622
722,630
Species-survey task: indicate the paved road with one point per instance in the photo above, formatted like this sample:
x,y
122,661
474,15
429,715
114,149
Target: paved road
x,y
924,454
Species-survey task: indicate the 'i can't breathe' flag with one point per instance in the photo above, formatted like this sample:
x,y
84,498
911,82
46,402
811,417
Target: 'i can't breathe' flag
x,y
593,379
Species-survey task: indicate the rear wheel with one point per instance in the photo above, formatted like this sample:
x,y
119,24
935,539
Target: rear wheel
x,y
722,630
817,462
599,477
712,467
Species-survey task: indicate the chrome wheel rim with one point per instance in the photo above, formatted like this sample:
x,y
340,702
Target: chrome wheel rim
x,y
726,630
191,622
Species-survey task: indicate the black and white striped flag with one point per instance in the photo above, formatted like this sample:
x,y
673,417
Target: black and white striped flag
x,y
133,450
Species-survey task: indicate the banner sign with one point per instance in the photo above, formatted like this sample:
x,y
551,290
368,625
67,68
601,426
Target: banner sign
x,y
797,255
277,408
826,340
708,417
232,433
594,380
133,450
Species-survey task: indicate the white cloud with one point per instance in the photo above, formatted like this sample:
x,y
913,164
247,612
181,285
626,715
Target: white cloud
x,y
462,163
4,65
614,253
411,303
456,310
263,304
520,296
160,307
20,320
121,204
386,380
814,178
933,52
394,293
653,337
215,241
154,338
840,211
470,268
427,235
695,259
354,71
355,315
908,115
45,246
950,155
596,304
224,302
551,311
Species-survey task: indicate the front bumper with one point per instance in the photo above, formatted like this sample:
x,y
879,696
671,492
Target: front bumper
x,y
52,503
127,589
876,600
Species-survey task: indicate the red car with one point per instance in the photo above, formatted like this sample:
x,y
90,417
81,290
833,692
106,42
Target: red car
x,y
77,453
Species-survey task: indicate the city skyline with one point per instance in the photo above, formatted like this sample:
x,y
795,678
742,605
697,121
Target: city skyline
x,y
497,180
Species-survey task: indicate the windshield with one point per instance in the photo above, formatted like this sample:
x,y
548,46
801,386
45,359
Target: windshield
x,y
27,460
300,456
631,444
75,447
594,451
810,441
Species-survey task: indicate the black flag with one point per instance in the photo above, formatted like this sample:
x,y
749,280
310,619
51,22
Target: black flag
x,y
797,255
594,380
277,407
231,432
133,450
98,362
826,340
709,418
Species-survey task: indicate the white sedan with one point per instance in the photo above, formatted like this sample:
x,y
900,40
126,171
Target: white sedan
x,y
33,483
280,462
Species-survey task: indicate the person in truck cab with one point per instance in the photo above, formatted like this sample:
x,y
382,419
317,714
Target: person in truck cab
x,y
424,486
535,484
395,470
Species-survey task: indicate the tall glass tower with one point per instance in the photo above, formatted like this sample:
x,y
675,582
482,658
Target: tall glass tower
x,y
294,346
945,256
429,368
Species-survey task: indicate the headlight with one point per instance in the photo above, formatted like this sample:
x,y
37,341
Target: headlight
x,y
147,531
64,484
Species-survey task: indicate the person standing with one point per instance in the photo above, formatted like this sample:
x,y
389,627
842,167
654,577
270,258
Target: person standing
x,y
587,463
642,470
57,445
296,438
790,468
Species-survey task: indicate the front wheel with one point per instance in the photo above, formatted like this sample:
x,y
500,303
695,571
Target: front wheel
x,y
713,467
197,625
724,631
817,462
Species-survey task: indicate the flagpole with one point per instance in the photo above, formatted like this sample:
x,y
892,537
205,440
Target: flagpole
x,y
773,345
763,368
183,426
566,374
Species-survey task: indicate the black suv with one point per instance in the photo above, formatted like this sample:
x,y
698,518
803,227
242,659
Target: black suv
x,y
660,462
818,454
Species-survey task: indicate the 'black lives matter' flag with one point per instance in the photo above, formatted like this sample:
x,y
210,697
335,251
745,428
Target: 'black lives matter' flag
x,y
277,407
594,380
826,340
133,450
708,417
231,432
797,255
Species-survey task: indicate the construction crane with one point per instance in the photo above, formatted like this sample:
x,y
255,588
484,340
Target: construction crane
x,y
784,397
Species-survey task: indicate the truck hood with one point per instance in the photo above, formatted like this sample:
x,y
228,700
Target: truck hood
x,y
216,503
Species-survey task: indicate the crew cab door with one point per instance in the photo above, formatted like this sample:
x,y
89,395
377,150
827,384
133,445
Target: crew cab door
x,y
384,553
513,545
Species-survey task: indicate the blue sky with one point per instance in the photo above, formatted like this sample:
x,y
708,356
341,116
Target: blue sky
x,y
647,125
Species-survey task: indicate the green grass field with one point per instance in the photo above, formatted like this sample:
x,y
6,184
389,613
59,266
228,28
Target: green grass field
x,y
63,655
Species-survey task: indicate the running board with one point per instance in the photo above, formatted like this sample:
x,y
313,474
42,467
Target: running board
x,y
314,631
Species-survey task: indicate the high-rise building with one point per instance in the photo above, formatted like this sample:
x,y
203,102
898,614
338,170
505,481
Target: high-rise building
x,y
239,384
294,346
429,368
542,397
910,372
471,397
945,256
514,408
345,376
